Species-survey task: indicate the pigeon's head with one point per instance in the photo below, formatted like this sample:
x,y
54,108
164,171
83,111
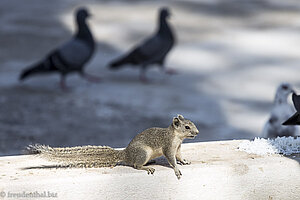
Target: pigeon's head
x,y
82,13
283,91
285,88
164,12
184,128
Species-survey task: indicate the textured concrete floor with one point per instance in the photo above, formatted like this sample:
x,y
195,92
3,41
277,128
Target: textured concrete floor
x,y
230,57
218,171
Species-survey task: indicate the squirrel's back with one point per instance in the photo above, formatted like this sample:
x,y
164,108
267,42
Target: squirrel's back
x,y
153,137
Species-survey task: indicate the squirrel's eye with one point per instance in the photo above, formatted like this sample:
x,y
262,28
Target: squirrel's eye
x,y
187,127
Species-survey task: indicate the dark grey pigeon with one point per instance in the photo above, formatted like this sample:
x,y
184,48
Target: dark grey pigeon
x,y
295,119
69,57
280,112
153,50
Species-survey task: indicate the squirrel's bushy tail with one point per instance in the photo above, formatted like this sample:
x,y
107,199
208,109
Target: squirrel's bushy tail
x,y
81,156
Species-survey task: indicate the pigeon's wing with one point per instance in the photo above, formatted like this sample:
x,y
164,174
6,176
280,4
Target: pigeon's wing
x,y
150,46
296,101
151,50
156,48
270,127
293,120
75,53
274,127
142,53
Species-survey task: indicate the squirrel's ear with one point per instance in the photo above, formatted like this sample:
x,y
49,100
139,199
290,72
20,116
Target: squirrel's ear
x,y
180,117
176,122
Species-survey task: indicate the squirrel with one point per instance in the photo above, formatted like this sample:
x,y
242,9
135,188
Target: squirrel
x,y
147,145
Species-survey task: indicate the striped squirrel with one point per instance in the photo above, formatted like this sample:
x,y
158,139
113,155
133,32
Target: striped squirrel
x,y
150,144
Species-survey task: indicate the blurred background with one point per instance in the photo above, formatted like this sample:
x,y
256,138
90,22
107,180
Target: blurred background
x,y
230,57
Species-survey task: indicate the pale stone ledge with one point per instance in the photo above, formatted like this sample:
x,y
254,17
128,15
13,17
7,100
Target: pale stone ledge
x,y
217,171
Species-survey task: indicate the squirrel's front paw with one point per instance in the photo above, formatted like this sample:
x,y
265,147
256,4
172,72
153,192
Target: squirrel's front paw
x,y
178,173
183,162
150,170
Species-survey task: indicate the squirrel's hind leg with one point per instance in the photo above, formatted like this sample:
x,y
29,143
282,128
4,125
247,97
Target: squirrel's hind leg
x,y
149,170
139,157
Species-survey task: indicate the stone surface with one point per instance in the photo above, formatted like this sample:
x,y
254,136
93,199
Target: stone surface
x,y
218,171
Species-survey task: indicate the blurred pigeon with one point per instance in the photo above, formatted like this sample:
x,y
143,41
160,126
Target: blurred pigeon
x,y
295,119
153,50
280,112
69,57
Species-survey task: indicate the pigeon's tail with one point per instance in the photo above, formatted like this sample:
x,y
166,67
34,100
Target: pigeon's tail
x,y
293,120
116,64
32,70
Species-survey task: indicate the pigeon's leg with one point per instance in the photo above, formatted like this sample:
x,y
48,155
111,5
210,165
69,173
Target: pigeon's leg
x,y
170,71
63,83
167,70
143,77
90,78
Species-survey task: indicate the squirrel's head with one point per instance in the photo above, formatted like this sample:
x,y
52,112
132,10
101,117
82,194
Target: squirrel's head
x,y
184,127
